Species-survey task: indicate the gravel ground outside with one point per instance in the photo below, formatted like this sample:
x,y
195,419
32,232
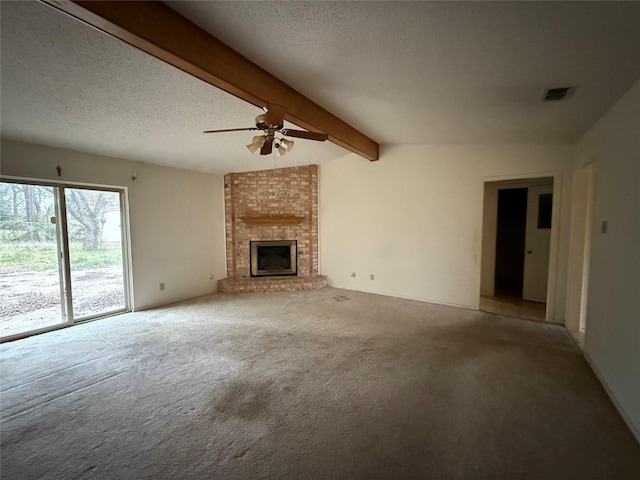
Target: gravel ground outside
x,y
31,300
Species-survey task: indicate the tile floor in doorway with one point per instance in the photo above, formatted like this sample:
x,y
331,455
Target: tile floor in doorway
x,y
513,307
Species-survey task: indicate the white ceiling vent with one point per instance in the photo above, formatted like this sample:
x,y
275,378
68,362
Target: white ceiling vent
x,y
559,93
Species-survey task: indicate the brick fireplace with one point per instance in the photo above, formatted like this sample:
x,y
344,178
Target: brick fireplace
x,y
272,206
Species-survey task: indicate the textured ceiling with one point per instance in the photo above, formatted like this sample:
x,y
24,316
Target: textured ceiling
x,y
65,84
441,72
401,72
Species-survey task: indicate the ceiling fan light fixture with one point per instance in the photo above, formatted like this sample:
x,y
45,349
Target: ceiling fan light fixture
x,y
271,123
256,143
287,144
283,146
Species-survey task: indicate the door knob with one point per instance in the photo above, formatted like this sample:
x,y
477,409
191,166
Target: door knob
x,y
529,252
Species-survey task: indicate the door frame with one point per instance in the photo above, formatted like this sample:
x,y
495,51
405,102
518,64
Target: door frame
x,y
490,186
580,248
125,232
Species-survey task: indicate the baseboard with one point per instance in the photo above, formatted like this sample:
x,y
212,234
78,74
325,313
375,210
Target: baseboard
x,y
167,303
634,429
407,297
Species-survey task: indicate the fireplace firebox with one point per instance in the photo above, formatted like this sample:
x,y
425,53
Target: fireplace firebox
x,y
274,257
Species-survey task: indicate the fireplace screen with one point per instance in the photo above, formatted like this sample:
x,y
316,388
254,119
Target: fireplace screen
x,y
274,257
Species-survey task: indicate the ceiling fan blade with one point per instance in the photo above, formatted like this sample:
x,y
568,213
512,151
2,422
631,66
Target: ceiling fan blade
x,y
320,137
266,148
275,114
230,130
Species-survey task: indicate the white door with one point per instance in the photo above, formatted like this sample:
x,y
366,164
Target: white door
x,y
538,239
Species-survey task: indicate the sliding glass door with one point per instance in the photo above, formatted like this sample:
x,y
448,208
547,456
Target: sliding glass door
x,y
62,254
94,220
30,287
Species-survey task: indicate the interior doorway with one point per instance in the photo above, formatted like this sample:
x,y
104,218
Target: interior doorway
x,y
510,241
63,255
516,247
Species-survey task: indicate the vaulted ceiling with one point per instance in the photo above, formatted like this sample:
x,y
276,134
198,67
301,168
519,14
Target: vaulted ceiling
x,y
399,72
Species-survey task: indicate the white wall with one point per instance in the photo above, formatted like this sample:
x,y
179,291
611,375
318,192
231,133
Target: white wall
x,y
414,218
176,216
612,340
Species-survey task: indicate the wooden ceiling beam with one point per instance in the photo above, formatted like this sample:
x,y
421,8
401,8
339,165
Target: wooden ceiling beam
x,y
158,30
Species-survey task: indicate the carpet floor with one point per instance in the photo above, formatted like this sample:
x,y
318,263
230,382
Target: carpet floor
x,y
328,384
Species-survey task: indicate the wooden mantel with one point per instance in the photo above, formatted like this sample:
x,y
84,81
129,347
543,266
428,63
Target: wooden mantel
x,y
254,220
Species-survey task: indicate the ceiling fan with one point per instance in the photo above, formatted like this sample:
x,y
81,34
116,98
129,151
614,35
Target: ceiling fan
x,y
271,123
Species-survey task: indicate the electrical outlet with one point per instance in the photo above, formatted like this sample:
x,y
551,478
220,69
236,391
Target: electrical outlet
x,y
373,276
162,286
210,276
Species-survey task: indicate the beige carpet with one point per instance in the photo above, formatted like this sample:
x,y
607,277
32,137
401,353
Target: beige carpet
x,y
329,384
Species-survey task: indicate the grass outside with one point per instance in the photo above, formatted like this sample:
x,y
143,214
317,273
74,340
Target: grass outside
x,y
39,257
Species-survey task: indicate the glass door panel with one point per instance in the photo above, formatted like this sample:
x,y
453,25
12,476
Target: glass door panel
x,y
94,224
30,293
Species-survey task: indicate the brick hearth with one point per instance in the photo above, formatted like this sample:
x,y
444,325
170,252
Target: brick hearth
x,y
279,204
271,284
